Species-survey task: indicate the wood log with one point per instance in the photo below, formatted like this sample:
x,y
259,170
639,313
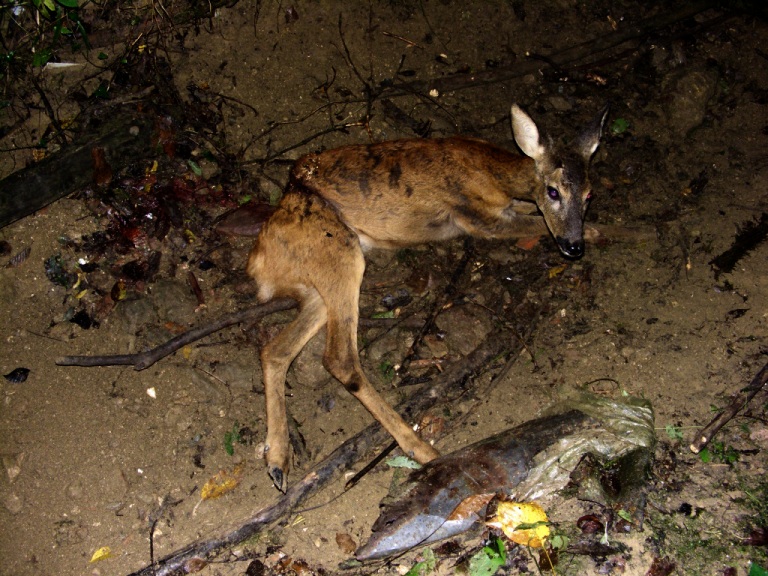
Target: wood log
x,y
125,138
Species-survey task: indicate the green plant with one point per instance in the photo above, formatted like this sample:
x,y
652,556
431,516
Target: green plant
x,y
387,370
425,566
718,451
674,432
487,561
34,28
230,437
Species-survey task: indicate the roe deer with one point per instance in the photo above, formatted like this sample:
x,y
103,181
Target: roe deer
x,y
387,195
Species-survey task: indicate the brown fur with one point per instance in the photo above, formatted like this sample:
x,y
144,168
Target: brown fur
x,y
389,195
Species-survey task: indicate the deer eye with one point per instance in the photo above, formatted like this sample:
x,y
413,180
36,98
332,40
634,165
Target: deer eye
x,y
553,193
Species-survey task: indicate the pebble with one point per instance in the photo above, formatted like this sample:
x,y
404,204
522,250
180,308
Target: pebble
x,y
74,490
12,503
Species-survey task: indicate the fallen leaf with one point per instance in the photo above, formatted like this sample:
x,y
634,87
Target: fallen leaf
x,y
524,523
557,270
222,482
528,243
101,554
661,567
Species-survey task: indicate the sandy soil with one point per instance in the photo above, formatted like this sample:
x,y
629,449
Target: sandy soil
x,y
89,455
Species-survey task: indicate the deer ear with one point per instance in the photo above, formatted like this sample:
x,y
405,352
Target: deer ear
x,y
590,138
526,133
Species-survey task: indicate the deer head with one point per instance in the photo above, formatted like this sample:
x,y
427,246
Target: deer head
x,y
563,192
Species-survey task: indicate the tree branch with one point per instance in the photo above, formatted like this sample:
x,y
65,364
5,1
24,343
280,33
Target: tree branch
x,y
145,359
739,401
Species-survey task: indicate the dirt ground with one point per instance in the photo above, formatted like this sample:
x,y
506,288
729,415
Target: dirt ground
x,y
89,456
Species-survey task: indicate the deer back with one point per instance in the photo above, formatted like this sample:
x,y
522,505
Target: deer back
x,y
406,192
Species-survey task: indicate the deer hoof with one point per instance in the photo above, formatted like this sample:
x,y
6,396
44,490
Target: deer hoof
x,y
279,478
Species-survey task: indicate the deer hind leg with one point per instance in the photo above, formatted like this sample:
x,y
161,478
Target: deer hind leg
x,y
276,357
341,358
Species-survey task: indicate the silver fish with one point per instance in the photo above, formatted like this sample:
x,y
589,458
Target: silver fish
x,y
528,462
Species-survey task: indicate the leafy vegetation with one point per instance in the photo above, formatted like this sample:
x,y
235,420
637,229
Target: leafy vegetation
x,y
33,30
488,560
425,566
230,437
719,452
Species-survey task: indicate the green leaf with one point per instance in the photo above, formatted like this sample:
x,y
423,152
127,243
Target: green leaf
x,y
619,126
68,3
102,91
705,455
755,570
425,566
487,561
387,314
41,57
403,462
102,56
83,33
625,515
195,167
387,370
559,542
230,437
674,432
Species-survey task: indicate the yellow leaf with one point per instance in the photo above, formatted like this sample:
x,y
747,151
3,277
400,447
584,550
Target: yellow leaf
x,y
101,554
557,270
522,522
221,483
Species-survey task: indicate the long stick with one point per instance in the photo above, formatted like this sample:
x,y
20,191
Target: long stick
x,y
738,401
142,360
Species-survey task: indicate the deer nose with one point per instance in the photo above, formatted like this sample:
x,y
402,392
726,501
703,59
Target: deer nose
x,y
571,249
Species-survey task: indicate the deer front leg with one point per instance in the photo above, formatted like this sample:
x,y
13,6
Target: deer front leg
x,y
276,357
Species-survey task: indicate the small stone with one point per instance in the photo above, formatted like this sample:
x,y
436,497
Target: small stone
x,y
345,542
74,490
12,464
12,503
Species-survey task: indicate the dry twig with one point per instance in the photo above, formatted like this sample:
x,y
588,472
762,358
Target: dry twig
x,y
739,401
142,360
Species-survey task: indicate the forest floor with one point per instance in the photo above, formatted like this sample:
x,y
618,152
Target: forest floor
x,y
97,457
